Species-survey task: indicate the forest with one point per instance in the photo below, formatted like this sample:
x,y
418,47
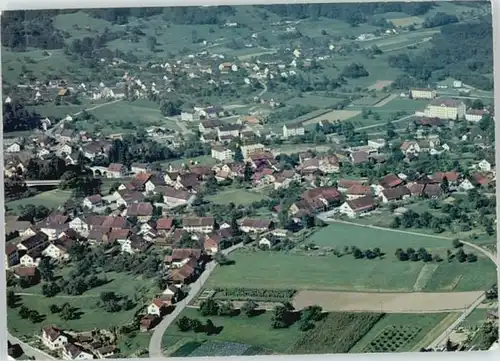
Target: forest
x,y
462,51
17,118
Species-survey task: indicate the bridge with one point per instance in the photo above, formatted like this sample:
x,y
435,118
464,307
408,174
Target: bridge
x,y
39,183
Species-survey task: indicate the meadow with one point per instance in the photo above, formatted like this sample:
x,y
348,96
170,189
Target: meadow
x,y
90,314
50,199
238,196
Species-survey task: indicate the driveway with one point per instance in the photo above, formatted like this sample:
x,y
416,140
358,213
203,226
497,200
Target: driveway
x,y
155,344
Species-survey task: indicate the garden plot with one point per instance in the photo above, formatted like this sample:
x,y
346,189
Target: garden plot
x,y
333,116
393,338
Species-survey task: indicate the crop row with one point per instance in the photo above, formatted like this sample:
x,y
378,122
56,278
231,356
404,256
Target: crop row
x,y
260,294
392,338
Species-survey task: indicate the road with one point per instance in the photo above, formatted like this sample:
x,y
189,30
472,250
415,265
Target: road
x,y
406,117
180,124
29,350
155,344
441,339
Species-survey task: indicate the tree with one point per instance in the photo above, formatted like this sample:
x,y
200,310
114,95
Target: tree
x,y
238,155
34,316
67,312
248,172
54,308
278,320
456,243
151,43
249,308
184,324
24,312
209,307
195,325
226,309
11,299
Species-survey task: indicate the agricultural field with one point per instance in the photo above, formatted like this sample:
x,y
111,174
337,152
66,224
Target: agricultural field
x,y
337,333
238,196
410,302
50,199
404,332
334,116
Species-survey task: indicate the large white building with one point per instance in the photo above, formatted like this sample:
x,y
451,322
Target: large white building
x,y
293,130
445,108
248,150
222,153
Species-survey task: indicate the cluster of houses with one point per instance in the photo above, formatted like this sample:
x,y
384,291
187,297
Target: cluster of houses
x,y
81,346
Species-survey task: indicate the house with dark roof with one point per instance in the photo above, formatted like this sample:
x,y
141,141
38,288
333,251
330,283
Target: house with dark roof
x,y
165,225
54,338
142,210
394,194
93,201
252,225
198,224
116,170
72,351
355,207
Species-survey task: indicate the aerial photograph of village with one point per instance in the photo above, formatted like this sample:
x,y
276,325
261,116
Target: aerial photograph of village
x,y
249,180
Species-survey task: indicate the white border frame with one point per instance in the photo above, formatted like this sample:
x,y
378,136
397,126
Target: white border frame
x,y
62,4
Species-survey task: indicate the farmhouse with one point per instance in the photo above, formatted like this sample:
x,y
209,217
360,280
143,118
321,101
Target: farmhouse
x,y
116,170
394,194
445,108
249,225
53,338
358,206
199,224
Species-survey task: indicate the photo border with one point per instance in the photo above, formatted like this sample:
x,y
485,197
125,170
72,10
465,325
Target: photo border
x,y
412,356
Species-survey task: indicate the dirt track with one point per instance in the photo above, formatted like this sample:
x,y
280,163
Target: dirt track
x,y
418,302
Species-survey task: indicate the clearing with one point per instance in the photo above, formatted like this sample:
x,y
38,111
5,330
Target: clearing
x,y
50,199
386,302
334,115
238,196
380,84
407,21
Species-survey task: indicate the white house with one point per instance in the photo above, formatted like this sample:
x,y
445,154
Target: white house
x,y
29,260
55,252
53,338
79,225
484,165
293,130
158,306
264,242
466,185
13,148
222,153
445,108
475,115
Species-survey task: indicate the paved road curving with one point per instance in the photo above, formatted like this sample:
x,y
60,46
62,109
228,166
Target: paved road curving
x,y
155,343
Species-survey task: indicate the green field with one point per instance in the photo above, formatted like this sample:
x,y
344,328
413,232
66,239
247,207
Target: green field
x,y
236,196
92,316
255,331
422,326
50,199
340,235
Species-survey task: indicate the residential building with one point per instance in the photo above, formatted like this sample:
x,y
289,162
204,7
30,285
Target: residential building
x,y
475,115
394,194
423,93
248,150
92,202
446,108
13,148
53,338
293,130
159,306
249,225
232,130
56,252
484,166
358,206
199,224
11,255
73,352
116,170
142,210
222,153
209,125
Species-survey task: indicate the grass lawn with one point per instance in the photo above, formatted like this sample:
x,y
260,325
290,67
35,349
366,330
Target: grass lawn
x,y
340,235
92,315
423,325
126,117
238,196
205,160
255,331
476,318
314,100
50,199
263,269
